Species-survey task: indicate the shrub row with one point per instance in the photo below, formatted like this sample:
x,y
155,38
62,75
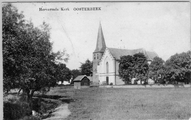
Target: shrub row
x,y
14,111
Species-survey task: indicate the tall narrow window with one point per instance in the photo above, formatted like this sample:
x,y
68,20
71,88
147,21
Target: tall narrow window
x,y
107,67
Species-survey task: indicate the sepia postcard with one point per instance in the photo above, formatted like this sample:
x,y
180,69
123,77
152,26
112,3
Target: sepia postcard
x,y
96,60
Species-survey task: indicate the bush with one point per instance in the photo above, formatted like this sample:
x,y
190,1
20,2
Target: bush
x,y
11,98
36,104
42,106
13,111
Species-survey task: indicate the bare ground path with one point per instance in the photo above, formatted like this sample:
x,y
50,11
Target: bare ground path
x,y
60,113
65,95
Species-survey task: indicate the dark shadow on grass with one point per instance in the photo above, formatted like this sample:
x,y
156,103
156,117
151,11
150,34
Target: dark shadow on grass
x,y
49,96
64,99
67,100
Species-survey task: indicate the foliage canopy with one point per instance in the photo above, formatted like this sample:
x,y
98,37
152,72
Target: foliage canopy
x,y
28,60
135,66
86,68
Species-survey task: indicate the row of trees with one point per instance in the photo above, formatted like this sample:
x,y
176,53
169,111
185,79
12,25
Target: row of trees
x,y
29,62
176,69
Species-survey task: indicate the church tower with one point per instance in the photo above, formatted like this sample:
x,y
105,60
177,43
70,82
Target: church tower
x,y
98,53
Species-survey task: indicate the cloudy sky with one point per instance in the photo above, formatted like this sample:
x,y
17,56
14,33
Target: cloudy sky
x,y
163,27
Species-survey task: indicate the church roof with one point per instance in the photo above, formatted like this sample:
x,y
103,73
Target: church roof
x,y
117,53
101,46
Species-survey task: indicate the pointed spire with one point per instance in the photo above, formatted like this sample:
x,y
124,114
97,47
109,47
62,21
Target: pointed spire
x,y
101,46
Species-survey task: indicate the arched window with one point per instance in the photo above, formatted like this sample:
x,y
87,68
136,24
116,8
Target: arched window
x,y
107,67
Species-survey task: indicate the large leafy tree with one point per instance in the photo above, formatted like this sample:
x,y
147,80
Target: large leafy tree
x,y
178,67
63,73
126,68
135,66
28,60
141,67
86,68
12,23
157,70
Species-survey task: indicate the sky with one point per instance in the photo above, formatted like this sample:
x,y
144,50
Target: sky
x,y
162,27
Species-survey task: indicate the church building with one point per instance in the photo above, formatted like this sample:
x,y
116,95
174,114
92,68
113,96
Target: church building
x,y
105,64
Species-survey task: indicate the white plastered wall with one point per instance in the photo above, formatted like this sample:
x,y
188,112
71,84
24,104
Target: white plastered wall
x,y
107,57
113,70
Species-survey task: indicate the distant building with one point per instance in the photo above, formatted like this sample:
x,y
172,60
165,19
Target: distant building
x,y
81,80
105,64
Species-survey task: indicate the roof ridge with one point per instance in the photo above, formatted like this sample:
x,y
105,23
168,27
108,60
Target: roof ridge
x,y
117,52
118,48
127,49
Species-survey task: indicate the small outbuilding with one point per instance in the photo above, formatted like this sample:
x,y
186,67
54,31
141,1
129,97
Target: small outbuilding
x,y
81,80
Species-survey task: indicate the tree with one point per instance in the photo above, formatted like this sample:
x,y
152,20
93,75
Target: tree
x,y
135,66
12,23
141,67
75,73
63,73
126,68
86,68
157,70
178,67
28,60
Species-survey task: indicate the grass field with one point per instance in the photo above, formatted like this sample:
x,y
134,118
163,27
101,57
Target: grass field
x,y
122,104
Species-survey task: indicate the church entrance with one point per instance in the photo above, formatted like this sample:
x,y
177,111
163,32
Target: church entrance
x,y
107,80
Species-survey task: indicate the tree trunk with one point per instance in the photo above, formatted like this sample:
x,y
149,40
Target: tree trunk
x,y
141,81
30,94
19,91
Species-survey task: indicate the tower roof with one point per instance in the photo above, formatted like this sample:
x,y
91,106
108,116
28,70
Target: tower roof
x,y
100,46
